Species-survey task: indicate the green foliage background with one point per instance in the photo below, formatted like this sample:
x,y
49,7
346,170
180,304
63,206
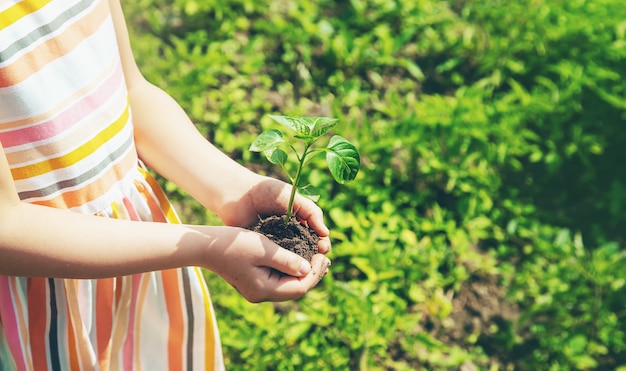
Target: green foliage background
x,y
486,228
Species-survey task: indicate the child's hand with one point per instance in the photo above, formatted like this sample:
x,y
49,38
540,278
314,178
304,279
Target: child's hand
x,y
261,270
270,197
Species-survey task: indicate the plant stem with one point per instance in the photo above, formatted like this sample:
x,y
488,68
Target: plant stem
x,y
294,185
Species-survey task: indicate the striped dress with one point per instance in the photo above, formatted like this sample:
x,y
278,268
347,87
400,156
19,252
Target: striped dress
x,y
66,128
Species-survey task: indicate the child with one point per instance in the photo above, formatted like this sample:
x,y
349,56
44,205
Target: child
x,y
90,276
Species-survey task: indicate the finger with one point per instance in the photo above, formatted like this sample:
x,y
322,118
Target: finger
x,y
315,219
319,268
288,263
323,269
282,288
307,210
324,246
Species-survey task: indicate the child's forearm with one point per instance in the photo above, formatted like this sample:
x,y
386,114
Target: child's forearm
x,y
46,242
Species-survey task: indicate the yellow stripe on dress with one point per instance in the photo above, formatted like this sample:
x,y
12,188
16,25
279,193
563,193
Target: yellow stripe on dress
x,y
209,325
165,205
19,10
76,155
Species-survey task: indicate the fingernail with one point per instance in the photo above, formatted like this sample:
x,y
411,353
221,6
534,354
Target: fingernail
x,y
305,267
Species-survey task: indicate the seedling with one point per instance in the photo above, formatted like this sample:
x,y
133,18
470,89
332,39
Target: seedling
x,y
342,156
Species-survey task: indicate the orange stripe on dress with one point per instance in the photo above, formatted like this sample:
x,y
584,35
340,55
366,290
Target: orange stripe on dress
x,y
176,333
104,322
78,353
38,321
164,206
33,61
153,205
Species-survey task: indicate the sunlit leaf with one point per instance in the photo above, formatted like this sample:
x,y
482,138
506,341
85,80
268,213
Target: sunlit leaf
x,y
319,126
343,159
293,123
276,156
308,139
309,192
267,140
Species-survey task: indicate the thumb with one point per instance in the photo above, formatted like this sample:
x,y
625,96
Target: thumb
x,y
289,263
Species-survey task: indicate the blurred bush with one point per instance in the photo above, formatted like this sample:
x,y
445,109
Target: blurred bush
x,y
486,227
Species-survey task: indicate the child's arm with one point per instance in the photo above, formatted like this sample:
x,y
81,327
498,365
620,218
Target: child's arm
x,y
45,242
170,144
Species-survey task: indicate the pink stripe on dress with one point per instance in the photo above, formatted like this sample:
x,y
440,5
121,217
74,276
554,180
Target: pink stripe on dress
x,y
82,108
9,321
129,344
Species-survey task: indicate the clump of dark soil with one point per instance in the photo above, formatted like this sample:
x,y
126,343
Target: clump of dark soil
x,y
293,236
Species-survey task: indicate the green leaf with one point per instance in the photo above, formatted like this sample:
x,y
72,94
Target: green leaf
x,y
293,123
309,192
308,139
319,125
413,69
276,156
308,128
343,159
577,344
296,332
365,265
267,140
